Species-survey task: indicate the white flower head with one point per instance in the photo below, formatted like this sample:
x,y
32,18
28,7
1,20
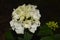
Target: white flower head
x,y
25,16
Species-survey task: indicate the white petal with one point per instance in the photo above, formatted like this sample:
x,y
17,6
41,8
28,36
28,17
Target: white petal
x,y
12,24
35,14
17,27
15,15
33,28
13,28
20,30
38,13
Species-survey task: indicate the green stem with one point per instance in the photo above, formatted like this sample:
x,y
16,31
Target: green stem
x,y
27,36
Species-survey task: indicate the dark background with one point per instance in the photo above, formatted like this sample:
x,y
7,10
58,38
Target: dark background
x,y
49,10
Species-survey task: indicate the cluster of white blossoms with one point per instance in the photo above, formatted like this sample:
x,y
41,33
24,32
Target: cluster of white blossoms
x,y
25,16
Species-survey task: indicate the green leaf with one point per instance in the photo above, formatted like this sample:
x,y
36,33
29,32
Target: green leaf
x,y
57,37
45,31
9,36
27,36
19,38
47,38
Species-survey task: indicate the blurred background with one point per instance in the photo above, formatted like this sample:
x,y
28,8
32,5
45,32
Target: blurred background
x,y
49,10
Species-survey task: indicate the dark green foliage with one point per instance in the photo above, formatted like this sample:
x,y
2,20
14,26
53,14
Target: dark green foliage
x,y
19,38
27,36
45,31
47,38
9,35
57,36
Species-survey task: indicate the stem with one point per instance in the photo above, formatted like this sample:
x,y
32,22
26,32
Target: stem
x,y
27,36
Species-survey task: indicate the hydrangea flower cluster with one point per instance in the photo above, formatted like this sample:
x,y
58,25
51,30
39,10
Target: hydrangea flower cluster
x,y
25,16
53,25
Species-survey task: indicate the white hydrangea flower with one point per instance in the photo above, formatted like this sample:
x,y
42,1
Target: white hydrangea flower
x,y
25,16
